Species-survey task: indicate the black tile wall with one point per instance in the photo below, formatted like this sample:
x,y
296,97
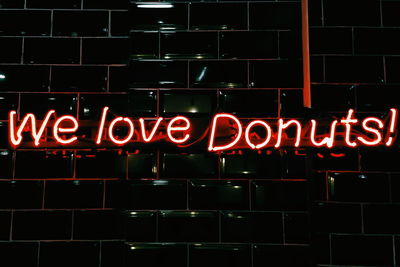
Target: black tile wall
x,y
355,196
163,207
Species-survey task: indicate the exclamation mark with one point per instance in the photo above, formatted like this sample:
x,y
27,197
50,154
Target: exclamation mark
x,y
393,120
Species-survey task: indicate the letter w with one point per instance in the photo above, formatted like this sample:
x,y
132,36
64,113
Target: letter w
x,y
15,133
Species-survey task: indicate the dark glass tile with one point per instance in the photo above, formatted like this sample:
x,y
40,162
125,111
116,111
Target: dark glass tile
x,y
336,159
188,165
252,165
284,15
321,248
189,45
67,79
74,194
315,13
220,16
188,226
275,73
219,255
318,186
365,250
156,254
91,105
4,145
47,51
142,165
24,22
5,225
376,98
218,194
11,50
80,23
142,103
282,256
24,78
105,51
145,45
360,69
98,224
101,164
119,78
21,194
141,226
292,103
249,45
112,254
154,74
41,225
250,103
119,25
279,195
333,97
252,227
295,164
188,102
12,3
144,16
11,253
390,10
290,45
396,247
358,187
376,41
105,4
8,102
297,229
6,164
383,159
40,104
65,254
43,164
392,64
336,218
331,41
381,219
317,69
64,4
147,194
342,13
208,74
395,187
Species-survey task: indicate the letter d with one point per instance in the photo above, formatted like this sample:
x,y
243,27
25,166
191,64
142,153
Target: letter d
x,y
211,146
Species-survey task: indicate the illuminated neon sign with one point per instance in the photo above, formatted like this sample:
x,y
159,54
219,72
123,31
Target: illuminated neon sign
x,y
225,132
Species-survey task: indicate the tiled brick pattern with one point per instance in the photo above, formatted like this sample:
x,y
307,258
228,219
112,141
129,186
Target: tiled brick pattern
x,y
354,46
162,207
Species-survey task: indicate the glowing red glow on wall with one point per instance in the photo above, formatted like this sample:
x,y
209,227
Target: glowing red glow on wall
x,y
376,132
328,141
349,122
225,132
58,129
36,134
171,129
267,138
131,129
393,123
284,125
211,146
146,138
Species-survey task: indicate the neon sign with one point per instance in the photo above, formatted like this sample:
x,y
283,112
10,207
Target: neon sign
x,y
225,132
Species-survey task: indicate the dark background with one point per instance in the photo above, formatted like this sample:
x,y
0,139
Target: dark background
x,y
186,207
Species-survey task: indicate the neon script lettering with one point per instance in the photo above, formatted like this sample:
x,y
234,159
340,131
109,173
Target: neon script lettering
x,y
226,131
